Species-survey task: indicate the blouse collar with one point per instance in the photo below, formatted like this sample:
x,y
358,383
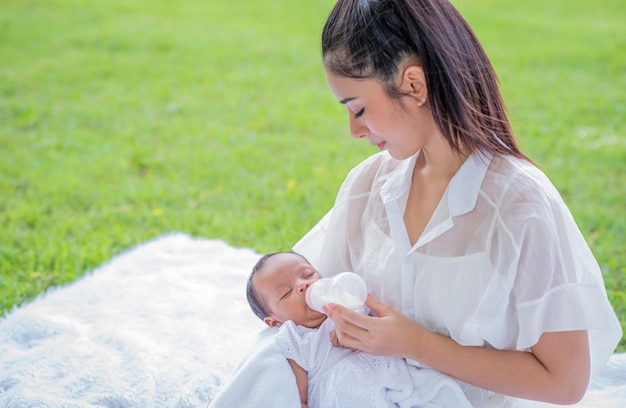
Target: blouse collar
x,y
465,185
463,188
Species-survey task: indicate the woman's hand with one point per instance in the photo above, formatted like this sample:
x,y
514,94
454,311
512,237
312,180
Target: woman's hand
x,y
390,333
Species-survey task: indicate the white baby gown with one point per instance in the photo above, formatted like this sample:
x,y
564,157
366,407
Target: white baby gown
x,y
339,377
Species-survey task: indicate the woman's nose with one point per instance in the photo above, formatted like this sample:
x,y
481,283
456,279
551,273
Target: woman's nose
x,y
357,129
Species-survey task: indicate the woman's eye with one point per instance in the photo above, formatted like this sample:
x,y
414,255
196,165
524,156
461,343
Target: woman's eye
x,y
359,113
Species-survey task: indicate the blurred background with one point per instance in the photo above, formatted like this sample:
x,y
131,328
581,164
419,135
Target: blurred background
x,y
123,120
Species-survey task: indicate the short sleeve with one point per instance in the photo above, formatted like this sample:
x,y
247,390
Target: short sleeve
x,y
295,343
558,285
311,244
332,244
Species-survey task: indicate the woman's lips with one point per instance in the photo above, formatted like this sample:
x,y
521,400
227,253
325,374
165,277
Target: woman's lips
x,y
380,145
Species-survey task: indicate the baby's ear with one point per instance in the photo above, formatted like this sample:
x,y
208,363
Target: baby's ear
x,y
271,321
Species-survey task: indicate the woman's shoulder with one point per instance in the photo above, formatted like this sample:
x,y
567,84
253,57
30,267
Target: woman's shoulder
x,y
518,184
376,167
381,161
519,176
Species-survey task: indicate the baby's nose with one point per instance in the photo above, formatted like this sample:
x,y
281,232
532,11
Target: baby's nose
x,y
304,286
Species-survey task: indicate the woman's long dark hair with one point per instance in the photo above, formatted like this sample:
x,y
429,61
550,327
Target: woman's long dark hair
x,y
375,39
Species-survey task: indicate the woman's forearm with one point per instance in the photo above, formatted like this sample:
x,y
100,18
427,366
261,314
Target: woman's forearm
x,y
556,371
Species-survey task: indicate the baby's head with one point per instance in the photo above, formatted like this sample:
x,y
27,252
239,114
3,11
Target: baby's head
x,y
276,290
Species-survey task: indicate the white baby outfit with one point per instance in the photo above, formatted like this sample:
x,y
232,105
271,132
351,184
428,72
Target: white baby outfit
x,y
339,377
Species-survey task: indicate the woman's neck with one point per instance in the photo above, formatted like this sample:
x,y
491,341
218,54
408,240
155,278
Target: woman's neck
x,y
437,160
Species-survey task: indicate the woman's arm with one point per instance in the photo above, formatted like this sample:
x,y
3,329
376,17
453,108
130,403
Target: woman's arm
x,y
302,381
557,370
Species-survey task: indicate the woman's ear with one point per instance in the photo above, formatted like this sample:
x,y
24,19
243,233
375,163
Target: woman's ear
x,y
271,321
414,83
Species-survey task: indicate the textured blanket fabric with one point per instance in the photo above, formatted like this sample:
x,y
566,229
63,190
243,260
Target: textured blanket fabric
x,y
163,325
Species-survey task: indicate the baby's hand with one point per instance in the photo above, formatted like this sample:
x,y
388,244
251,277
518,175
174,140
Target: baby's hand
x,y
334,340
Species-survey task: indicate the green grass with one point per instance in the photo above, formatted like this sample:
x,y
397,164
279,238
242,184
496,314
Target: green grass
x,y
121,121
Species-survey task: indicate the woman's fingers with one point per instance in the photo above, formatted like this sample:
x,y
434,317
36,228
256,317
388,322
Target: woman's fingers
x,y
334,340
388,333
378,307
350,326
359,331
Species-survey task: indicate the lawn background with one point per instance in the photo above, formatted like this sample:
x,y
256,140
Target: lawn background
x,y
121,121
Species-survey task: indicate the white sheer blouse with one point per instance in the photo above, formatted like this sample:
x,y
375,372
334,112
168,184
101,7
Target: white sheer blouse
x,y
500,262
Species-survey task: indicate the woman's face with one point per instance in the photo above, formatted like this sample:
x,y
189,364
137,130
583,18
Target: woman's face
x,y
282,283
401,129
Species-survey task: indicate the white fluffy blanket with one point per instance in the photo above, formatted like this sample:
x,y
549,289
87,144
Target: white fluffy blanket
x,y
164,325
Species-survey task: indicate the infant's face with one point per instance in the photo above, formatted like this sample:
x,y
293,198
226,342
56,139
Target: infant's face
x,y
282,283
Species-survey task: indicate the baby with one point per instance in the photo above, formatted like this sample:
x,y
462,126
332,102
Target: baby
x,y
329,376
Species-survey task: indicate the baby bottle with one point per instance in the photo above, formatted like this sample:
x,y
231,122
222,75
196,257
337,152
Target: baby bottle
x,y
346,288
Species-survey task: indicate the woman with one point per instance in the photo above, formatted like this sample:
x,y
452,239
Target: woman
x,y
476,266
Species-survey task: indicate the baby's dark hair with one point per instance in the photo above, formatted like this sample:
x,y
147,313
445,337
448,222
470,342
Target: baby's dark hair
x,y
255,303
